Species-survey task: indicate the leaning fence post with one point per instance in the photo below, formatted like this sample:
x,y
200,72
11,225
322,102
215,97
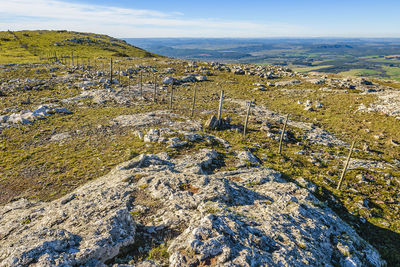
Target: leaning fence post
x,y
283,134
345,166
221,100
171,97
247,119
194,101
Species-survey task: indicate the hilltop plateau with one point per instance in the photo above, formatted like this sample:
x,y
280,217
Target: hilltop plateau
x,y
124,162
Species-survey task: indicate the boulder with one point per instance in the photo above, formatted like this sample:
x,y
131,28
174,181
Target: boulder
x,y
211,123
170,81
246,158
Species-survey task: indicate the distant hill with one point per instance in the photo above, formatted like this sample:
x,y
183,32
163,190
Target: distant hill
x,y
31,46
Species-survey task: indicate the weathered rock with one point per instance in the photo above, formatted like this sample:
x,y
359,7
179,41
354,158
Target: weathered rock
x,y
170,81
86,227
60,137
318,105
28,116
246,158
152,136
211,123
248,218
287,83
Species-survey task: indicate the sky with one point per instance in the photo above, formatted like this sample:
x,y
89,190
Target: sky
x,y
207,18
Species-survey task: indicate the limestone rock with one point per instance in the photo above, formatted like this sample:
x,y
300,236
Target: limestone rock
x,y
212,123
247,158
248,217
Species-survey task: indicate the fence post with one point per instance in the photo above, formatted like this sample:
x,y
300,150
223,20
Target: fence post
x,y
111,71
155,89
194,101
171,97
221,100
141,83
247,119
283,134
345,166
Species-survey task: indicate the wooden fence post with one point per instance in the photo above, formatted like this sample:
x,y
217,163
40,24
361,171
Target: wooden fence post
x,y
194,101
111,71
221,100
155,89
345,166
141,83
283,134
247,119
171,97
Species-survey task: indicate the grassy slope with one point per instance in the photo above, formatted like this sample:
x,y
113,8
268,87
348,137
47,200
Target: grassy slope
x,y
31,46
33,167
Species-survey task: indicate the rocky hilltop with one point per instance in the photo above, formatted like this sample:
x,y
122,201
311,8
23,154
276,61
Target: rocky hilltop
x,y
129,165
247,217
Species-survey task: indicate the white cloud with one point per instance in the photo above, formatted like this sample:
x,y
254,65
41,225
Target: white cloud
x,y
127,22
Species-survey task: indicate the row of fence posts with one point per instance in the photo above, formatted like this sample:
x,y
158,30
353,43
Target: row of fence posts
x,y
220,107
249,106
282,136
74,59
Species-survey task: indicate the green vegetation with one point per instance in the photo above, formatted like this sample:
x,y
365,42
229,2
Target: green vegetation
x,y
159,254
36,46
361,57
32,166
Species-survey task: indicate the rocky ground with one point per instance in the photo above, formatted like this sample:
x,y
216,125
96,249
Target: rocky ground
x,y
187,195
248,217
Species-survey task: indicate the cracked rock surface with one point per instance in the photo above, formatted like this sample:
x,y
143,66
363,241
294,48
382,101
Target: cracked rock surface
x,y
248,217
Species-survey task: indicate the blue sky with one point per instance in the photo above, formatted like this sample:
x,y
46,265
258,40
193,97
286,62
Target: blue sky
x,y
155,18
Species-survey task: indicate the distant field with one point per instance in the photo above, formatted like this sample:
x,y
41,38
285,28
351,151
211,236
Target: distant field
x,y
308,69
360,72
346,56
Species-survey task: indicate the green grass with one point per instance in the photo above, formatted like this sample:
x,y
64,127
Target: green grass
x,y
35,168
308,69
159,254
35,46
360,72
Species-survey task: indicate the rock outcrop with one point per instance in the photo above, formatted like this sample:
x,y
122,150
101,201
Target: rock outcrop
x,y
249,217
